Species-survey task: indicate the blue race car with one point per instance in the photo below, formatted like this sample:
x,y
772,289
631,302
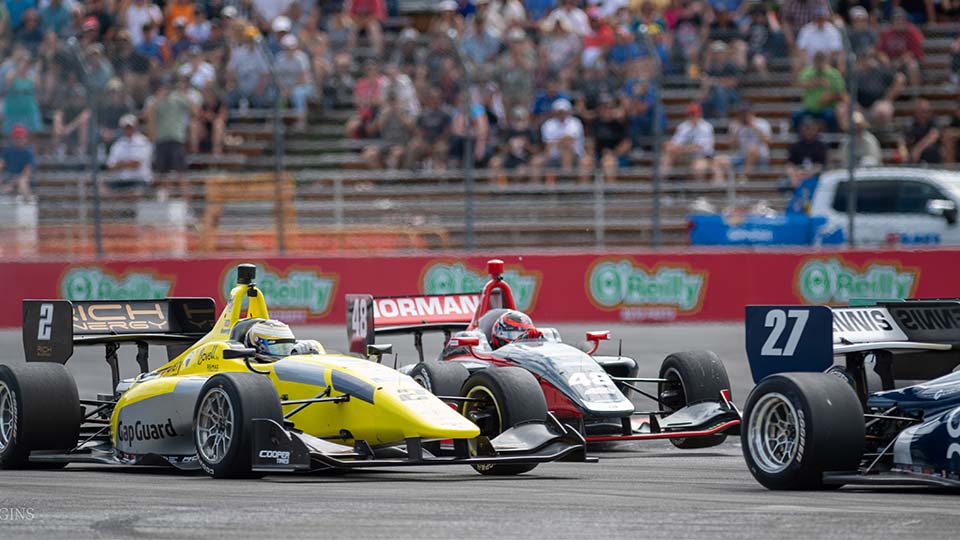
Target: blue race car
x,y
811,424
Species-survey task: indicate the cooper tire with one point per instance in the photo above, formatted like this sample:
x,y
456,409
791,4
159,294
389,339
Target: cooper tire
x,y
223,422
510,396
39,410
694,377
796,426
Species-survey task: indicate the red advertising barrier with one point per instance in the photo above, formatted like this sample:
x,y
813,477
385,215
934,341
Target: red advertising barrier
x,y
640,286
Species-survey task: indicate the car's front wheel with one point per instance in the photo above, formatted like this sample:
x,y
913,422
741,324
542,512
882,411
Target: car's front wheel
x,y
692,377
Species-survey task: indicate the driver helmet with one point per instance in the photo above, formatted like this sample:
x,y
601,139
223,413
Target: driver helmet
x,y
509,327
271,338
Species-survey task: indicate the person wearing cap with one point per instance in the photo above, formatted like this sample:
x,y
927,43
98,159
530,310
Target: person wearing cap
x,y
367,15
17,163
293,75
177,12
113,106
279,28
866,147
448,20
863,36
752,134
543,103
692,142
820,35
563,139
197,70
198,30
824,92
807,156
180,43
795,14
154,46
721,76
137,13
901,45
248,73
129,160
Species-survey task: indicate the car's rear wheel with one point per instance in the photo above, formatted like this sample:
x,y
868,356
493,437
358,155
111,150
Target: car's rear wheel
x,y
500,398
223,422
39,410
798,426
440,378
692,377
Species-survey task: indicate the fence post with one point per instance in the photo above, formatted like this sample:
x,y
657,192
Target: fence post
x,y
469,164
93,137
655,84
278,150
599,208
338,202
851,59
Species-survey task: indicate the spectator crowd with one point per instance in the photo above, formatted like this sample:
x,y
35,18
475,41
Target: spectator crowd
x,y
537,85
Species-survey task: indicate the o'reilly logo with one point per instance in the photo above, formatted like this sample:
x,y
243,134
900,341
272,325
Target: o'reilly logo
x,y
455,278
82,283
299,290
619,283
141,431
829,281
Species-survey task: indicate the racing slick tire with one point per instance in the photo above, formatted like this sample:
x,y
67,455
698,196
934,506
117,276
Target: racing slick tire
x,y
818,420
223,422
39,410
692,377
508,396
440,378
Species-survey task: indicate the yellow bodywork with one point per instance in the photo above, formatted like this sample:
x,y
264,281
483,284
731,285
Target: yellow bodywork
x,y
385,406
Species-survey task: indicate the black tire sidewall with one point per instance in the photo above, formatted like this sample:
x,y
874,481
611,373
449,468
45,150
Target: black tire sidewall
x,y
702,376
440,378
48,412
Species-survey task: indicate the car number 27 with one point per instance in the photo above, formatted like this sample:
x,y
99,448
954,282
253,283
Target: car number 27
x,y
777,319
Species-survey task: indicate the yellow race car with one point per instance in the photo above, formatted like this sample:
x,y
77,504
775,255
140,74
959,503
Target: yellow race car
x,y
241,397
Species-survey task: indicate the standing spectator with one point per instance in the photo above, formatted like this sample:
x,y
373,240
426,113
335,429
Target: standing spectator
x,y
764,39
752,134
866,147
563,139
878,86
720,81
923,137
169,113
20,105
807,156
136,14
820,36
248,73
132,66
863,36
369,16
293,75
902,46
823,91
795,14
55,17
692,142
514,71
17,164
612,138
575,18
129,161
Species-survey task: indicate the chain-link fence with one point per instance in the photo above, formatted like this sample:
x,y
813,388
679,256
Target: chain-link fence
x,y
293,142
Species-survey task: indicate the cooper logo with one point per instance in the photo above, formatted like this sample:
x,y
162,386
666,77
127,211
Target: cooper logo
x,y
283,458
141,431
120,317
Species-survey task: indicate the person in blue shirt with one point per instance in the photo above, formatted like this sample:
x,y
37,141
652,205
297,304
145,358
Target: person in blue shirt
x,y
625,51
16,9
538,9
17,163
545,98
55,18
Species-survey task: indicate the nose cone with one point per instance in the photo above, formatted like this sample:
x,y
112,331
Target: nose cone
x,y
427,417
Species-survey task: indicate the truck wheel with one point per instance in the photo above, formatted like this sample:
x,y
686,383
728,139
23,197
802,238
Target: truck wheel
x,y
39,410
506,396
440,378
796,426
692,377
223,422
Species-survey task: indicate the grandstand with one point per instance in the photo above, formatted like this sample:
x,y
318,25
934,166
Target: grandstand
x,y
331,199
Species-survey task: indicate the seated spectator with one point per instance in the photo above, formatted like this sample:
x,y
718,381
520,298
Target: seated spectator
x,y
920,11
429,146
691,143
866,147
399,83
211,123
30,33
820,36
902,46
394,126
179,42
688,30
20,105
558,46
129,161
132,66
610,130
955,61
500,15
951,137
878,86
863,36
598,42
280,28
154,46
719,83
407,54
519,147
368,95
724,28
137,14
807,156
197,70
17,163
543,103
923,137
764,39
823,92
514,71
248,76
338,85
116,104
169,114
795,14
575,19
479,45
472,115
177,14
449,21
71,116
752,134
594,83
367,15
293,75
538,9
99,68
640,101
198,29
563,140
55,17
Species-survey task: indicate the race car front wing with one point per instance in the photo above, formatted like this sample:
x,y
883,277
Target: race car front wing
x,y
279,449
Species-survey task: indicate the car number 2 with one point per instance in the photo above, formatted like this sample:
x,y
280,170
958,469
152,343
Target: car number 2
x,y
45,326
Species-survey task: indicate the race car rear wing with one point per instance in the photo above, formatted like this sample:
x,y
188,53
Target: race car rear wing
x,y
368,316
51,328
924,335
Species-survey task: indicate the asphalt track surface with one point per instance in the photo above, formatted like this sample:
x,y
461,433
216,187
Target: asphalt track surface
x,y
638,490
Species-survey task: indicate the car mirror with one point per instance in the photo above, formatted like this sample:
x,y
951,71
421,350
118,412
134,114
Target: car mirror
x,y
472,341
234,354
944,208
596,337
379,350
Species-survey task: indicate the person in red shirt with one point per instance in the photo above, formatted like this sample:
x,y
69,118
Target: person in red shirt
x,y
901,46
367,15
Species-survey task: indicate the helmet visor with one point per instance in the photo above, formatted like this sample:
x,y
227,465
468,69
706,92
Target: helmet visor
x,y
277,347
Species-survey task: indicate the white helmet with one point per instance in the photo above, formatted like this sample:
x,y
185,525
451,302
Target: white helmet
x,y
271,338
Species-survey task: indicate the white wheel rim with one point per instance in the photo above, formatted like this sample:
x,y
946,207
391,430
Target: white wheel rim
x,y
773,433
215,426
8,416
